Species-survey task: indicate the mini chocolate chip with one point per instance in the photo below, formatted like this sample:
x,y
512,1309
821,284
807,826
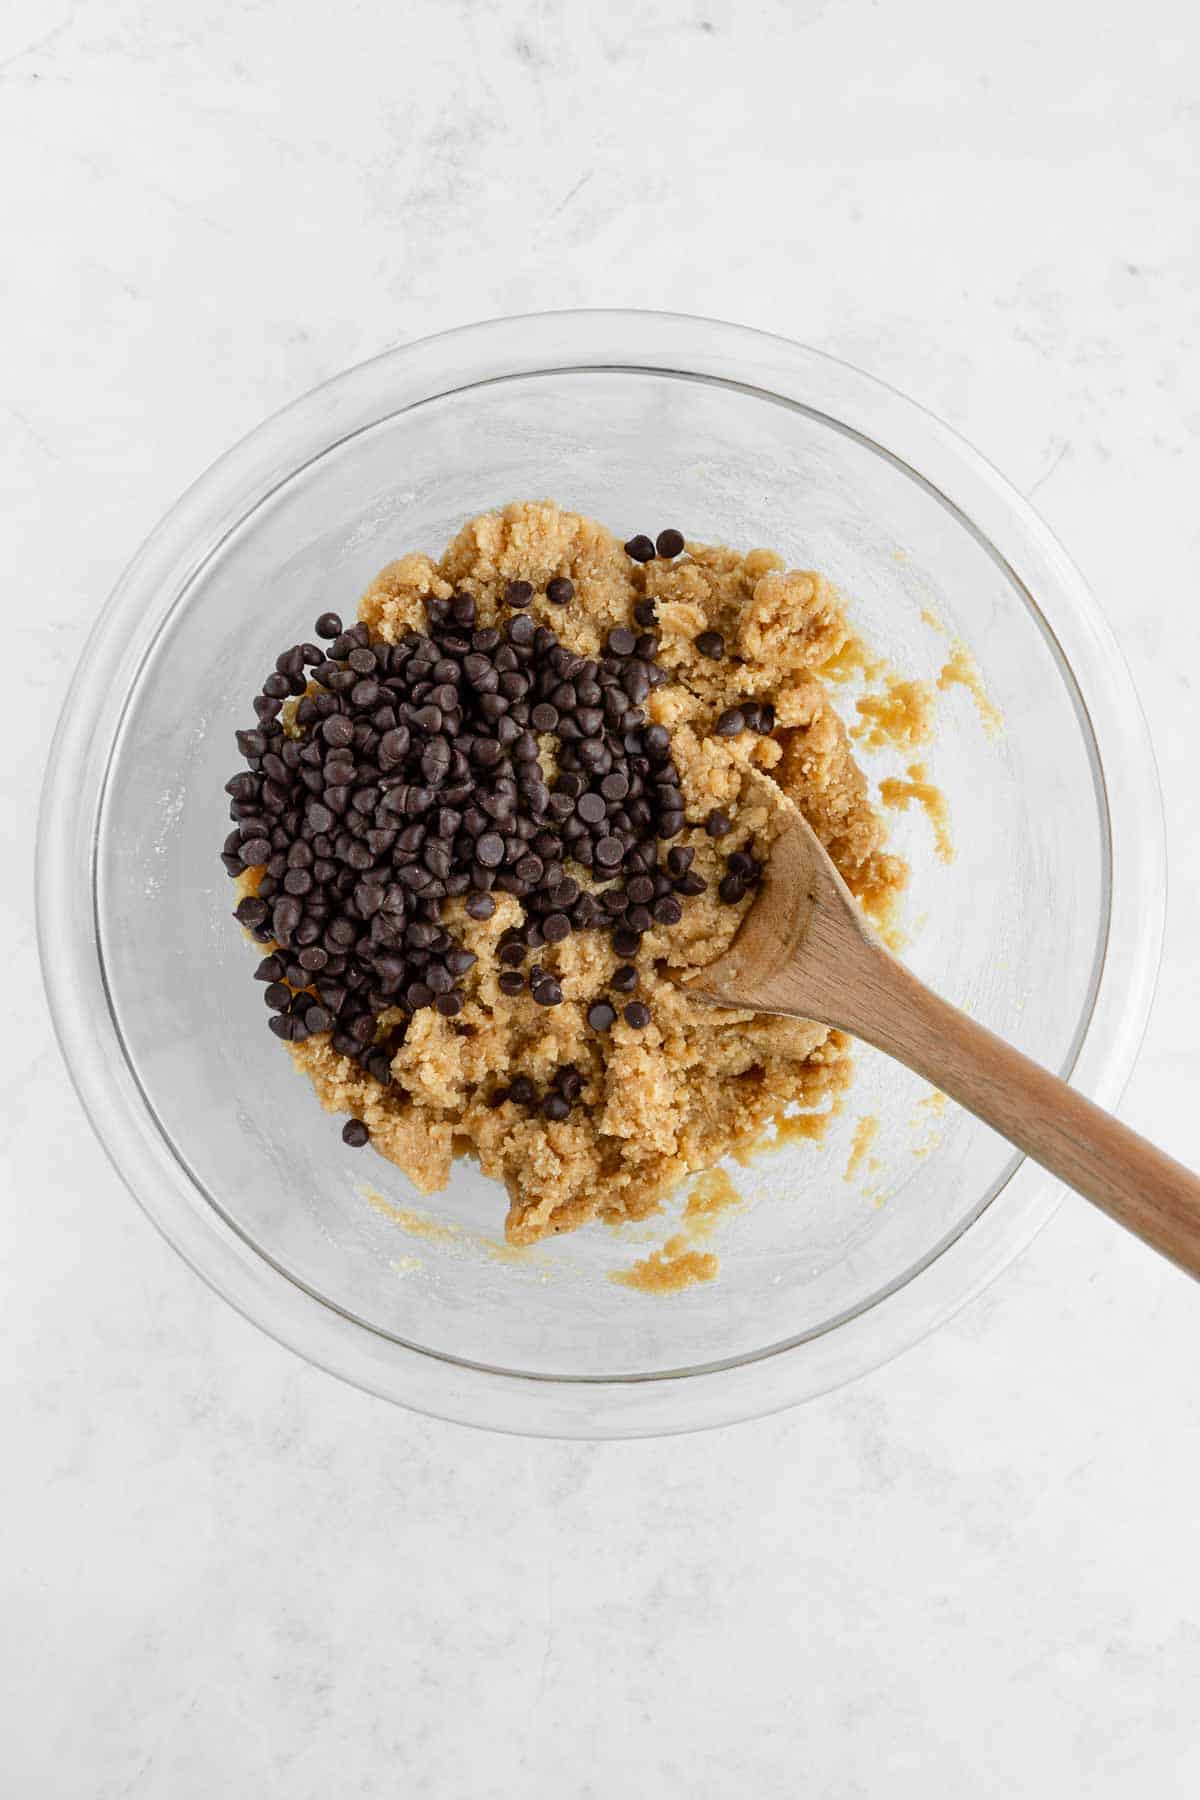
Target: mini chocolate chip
x,y
640,548
668,911
601,1016
738,863
339,731
669,543
438,978
711,644
590,807
328,626
730,722
625,979
569,1082
480,906
251,911
555,1107
560,590
637,1015
587,913
717,824
355,1133
449,1004
548,992
518,593
555,927
510,982
621,642
522,1091
625,941
731,889
645,613
269,969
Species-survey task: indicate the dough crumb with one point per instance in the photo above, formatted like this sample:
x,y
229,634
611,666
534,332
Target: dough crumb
x,y
865,1133
670,1270
963,671
898,793
712,1195
900,718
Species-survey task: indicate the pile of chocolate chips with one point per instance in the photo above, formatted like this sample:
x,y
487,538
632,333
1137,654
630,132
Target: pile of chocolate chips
x,y
410,774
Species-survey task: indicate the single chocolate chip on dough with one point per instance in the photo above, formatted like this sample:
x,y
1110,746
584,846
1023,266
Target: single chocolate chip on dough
x,y
637,1014
355,1133
560,590
569,1082
669,543
601,1016
711,644
640,548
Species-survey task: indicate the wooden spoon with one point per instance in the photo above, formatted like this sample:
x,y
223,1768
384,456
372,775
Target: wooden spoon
x,y
804,949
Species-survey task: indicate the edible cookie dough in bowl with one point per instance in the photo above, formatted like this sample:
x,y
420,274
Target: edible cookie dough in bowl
x,y
595,1211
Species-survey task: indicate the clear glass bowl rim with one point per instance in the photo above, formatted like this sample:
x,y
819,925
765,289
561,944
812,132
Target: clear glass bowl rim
x,y
353,401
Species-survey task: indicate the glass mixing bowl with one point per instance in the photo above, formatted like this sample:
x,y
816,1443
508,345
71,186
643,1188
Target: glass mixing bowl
x,y
1046,926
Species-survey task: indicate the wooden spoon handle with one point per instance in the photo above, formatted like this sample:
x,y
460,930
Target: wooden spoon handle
x,y
1144,1190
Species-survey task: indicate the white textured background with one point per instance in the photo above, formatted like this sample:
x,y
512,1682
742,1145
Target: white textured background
x,y
221,1572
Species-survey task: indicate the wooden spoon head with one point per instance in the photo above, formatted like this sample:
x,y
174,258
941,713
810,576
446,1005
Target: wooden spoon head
x,y
795,950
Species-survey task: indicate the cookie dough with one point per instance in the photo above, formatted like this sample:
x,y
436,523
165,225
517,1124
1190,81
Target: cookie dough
x,y
695,1082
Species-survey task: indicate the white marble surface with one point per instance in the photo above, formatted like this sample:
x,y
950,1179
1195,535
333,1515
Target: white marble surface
x,y
221,1572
